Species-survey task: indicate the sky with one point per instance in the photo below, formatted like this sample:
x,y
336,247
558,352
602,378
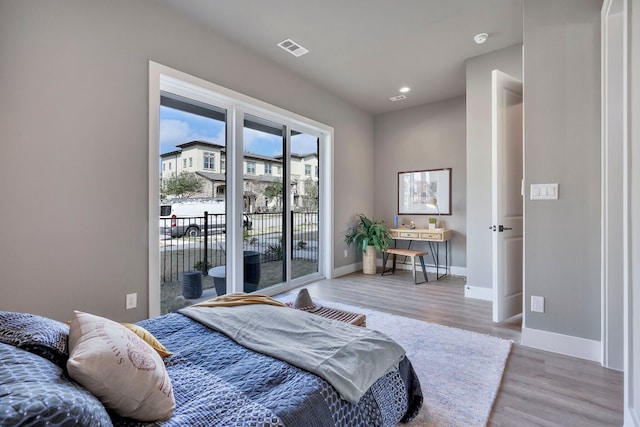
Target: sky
x,y
178,127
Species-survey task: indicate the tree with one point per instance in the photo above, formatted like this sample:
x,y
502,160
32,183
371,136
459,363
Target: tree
x,y
310,199
185,184
273,191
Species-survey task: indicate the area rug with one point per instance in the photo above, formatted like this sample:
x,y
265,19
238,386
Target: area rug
x,y
460,371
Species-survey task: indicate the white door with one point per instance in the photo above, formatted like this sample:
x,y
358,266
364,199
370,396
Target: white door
x,y
507,203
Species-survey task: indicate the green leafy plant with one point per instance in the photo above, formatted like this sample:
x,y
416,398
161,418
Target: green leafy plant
x,y
369,232
275,251
302,244
433,220
248,239
202,266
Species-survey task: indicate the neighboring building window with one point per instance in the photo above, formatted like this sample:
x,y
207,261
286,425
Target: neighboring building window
x,y
223,164
164,166
267,168
317,171
279,170
169,165
209,160
184,163
251,168
190,161
307,169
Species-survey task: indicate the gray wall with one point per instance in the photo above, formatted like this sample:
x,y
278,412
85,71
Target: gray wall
x,y
479,163
74,130
562,144
431,136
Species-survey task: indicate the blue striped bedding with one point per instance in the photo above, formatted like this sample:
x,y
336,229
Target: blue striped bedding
x,y
217,382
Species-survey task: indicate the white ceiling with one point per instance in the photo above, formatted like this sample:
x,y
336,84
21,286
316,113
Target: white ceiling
x,y
365,50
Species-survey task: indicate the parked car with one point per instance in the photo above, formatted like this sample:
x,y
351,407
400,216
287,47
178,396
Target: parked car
x,y
186,218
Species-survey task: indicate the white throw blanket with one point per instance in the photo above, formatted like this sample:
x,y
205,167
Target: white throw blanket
x,y
349,357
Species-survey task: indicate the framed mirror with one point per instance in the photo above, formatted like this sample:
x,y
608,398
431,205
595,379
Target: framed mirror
x,y
424,192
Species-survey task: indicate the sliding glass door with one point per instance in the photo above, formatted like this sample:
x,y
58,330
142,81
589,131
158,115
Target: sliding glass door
x,y
304,199
263,202
192,199
256,173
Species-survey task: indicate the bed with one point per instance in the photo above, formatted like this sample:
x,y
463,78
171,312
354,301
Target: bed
x,y
214,381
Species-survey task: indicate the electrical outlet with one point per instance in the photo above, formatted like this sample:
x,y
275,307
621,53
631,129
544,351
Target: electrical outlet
x,y
132,301
537,304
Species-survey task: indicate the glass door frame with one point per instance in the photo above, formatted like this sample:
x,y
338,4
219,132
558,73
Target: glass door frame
x,y
162,78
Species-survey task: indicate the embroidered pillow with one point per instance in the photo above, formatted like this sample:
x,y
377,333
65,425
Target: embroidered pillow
x,y
117,366
40,335
148,338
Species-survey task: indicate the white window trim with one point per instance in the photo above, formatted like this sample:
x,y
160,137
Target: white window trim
x,y
165,78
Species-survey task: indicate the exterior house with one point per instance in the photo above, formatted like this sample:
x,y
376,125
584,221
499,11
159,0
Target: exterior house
x,y
208,161
76,109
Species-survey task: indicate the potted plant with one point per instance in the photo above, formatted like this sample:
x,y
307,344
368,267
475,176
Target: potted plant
x,y
432,223
370,236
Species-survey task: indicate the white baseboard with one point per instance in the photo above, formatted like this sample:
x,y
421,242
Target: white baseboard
x,y
563,344
352,268
477,292
453,270
347,269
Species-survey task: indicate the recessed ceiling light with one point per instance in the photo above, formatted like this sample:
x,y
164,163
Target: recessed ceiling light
x,y
480,38
404,89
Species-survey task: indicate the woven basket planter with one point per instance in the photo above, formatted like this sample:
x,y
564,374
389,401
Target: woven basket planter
x,y
369,259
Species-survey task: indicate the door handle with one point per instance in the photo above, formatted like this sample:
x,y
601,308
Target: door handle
x,y
502,228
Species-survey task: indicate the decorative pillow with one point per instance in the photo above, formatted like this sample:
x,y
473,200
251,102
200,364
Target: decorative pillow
x,y
40,335
35,392
148,338
117,366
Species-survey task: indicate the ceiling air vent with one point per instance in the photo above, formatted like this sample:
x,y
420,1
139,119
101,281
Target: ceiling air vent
x,y
292,47
397,98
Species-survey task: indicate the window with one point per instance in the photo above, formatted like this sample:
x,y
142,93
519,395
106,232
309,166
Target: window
x,y
169,165
251,168
223,165
317,171
296,259
184,163
267,168
307,170
209,160
164,166
190,161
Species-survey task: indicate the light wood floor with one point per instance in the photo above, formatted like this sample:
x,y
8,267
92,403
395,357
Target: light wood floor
x,y
538,388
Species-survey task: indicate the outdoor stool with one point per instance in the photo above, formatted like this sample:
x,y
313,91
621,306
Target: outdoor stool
x,y
192,284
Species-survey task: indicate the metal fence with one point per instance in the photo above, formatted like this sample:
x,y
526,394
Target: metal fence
x,y
199,243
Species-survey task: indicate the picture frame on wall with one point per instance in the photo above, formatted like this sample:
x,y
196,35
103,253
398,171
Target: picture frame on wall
x,y
424,192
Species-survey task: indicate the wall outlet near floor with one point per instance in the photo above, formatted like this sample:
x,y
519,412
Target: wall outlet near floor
x,y
537,304
132,301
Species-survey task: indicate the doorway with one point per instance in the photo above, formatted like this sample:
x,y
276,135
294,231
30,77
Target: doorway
x,y
507,196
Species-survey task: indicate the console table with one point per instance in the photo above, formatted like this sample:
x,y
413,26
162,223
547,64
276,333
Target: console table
x,y
433,236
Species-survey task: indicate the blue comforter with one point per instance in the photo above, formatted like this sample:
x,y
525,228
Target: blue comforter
x,y
217,382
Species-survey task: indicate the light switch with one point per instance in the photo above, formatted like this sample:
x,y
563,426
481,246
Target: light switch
x,y
544,191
